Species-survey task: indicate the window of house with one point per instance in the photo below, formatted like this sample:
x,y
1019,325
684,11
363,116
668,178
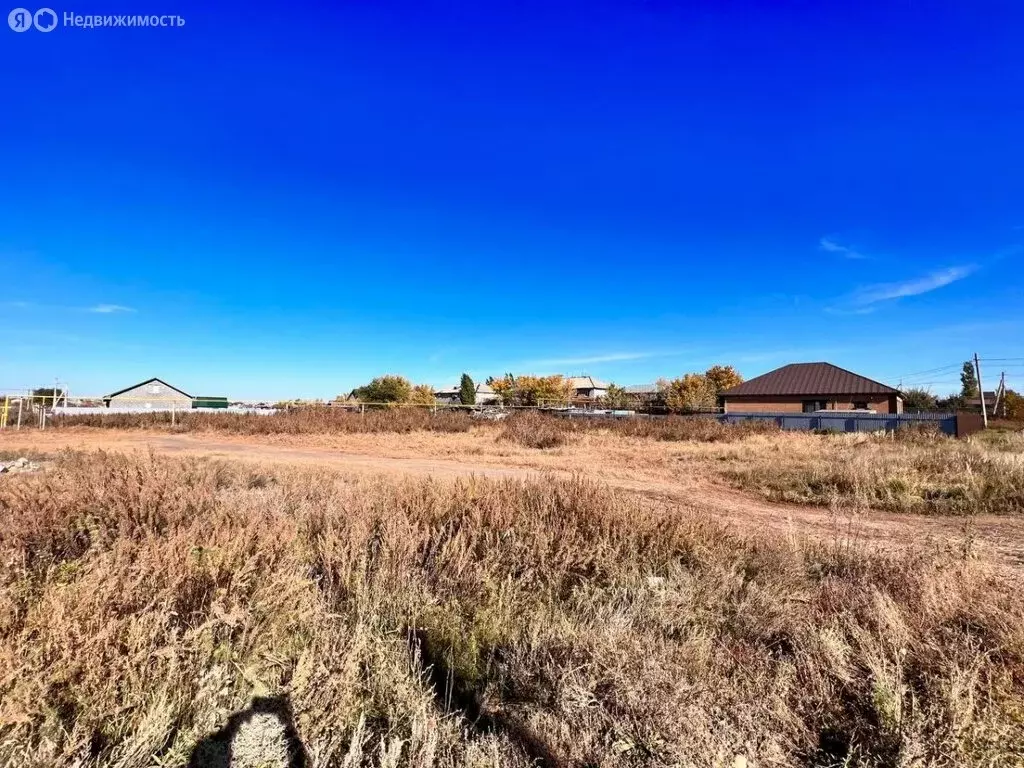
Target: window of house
x,y
154,389
810,406
860,405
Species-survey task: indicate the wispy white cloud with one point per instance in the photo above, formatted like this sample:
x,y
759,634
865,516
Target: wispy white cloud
x,y
850,310
99,309
829,245
613,357
873,294
109,309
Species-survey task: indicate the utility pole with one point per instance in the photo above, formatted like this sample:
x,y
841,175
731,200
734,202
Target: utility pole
x,y
1000,394
981,391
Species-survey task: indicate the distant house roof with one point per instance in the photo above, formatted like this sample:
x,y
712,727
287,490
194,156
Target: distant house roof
x,y
481,389
142,383
642,389
990,399
798,379
586,382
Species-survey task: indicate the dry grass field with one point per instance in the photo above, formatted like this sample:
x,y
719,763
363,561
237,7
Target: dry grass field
x,y
431,594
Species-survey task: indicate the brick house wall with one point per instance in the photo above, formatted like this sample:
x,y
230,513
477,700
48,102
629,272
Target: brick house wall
x,y
781,404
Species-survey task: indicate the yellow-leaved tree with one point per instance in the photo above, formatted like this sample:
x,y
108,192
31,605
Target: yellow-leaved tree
x,y
532,390
422,394
698,391
691,392
722,377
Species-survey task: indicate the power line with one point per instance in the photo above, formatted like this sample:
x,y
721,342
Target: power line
x,y
929,380
930,371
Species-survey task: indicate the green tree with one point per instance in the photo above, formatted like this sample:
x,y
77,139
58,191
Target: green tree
x,y
1014,405
384,389
467,390
916,399
968,381
44,395
615,397
952,403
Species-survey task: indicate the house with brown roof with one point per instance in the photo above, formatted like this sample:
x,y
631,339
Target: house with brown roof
x,y
810,387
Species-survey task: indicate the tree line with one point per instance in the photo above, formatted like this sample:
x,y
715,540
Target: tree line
x,y
690,392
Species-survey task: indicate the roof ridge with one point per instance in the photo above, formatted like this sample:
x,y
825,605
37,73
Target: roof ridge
x,y
147,381
852,373
809,378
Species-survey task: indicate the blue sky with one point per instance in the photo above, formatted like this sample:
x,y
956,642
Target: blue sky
x,y
286,201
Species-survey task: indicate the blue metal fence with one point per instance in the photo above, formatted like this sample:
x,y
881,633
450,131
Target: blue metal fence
x,y
824,421
847,421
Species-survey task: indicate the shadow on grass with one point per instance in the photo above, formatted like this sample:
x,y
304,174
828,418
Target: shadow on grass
x,y
267,726
456,695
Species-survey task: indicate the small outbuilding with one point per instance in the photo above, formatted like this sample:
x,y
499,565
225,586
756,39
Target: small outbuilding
x,y
210,401
485,395
448,396
811,387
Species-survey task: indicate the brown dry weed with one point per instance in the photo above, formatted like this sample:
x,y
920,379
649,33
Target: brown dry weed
x,y
144,600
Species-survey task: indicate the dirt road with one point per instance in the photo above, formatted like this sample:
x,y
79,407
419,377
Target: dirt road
x,y
994,538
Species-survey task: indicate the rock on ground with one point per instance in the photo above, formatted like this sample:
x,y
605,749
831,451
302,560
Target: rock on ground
x,y
18,465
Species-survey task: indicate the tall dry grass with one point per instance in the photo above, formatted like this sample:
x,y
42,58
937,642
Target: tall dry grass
x,y
530,428
915,473
540,430
306,420
682,428
913,470
143,600
534,430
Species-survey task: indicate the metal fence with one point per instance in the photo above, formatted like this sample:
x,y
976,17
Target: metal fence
x,y
848,421
75,410
37,410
